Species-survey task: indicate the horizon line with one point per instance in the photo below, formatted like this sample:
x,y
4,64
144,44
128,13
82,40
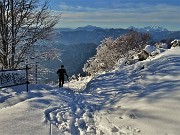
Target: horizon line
x,y
75,27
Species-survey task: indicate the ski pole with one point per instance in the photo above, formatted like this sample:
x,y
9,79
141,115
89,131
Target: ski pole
x,y
68,81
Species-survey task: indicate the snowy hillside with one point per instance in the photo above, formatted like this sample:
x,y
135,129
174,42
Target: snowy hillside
x,y
140,99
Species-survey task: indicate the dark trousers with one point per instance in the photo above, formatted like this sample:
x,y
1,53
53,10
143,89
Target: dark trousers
x,y
61,81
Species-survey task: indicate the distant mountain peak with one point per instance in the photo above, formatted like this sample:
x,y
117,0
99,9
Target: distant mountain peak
x,y
155,28
88,28
149,28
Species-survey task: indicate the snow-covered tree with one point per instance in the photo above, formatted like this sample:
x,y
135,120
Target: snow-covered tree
x,y
22,24
111,50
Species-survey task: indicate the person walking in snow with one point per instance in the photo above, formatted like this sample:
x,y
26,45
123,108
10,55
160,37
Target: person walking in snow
x,y
61,72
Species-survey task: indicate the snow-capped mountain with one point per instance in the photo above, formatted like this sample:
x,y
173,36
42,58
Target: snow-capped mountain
x,y
155,28
150,29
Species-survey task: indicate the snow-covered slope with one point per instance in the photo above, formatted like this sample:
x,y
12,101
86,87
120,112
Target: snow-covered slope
x,y
140,99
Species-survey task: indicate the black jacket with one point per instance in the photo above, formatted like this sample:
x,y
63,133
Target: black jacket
x,y
61,72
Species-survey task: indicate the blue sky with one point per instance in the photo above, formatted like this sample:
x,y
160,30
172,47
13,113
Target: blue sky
x,y
118,13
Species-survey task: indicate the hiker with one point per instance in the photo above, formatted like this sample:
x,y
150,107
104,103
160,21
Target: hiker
x,y
61,72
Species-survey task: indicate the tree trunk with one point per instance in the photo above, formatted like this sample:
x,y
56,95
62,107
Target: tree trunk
x,y
13,35
4,35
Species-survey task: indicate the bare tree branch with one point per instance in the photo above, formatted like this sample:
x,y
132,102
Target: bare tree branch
x,y
23,23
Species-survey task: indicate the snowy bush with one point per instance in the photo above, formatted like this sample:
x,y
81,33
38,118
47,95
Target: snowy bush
x,y
111,50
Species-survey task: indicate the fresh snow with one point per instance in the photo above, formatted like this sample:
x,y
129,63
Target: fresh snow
x,y
139,99
149,49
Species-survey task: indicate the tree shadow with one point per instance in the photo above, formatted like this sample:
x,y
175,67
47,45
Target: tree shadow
x,y
157,80
13,95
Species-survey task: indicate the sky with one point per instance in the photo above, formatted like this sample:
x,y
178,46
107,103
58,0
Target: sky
x,y
118,13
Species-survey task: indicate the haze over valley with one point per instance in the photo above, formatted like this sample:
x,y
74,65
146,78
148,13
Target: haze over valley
x,y
78,45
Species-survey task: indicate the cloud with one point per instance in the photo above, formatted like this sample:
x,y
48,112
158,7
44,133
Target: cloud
x,y
76,8
115,14
65,7
143,12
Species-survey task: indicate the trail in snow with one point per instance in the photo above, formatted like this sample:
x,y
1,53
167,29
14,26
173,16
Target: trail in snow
x,y
81,116
76,117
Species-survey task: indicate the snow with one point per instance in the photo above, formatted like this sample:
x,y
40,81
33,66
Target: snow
x,y
149,49
12,77
138,99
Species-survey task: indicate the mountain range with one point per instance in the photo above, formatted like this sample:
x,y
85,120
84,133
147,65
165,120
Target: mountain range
x,y
93,34
92,28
